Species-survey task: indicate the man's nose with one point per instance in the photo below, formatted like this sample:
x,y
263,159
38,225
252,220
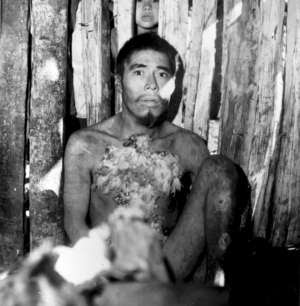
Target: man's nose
x,y
151,83
147,5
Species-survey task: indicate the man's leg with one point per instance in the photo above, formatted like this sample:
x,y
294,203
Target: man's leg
x,y
227,210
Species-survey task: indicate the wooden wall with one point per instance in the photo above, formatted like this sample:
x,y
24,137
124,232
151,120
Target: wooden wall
x,y
260,110
259,118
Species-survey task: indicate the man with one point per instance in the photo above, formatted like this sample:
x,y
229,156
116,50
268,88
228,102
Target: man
x,y
198,225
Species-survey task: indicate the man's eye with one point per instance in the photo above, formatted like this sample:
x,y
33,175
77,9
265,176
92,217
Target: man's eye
x,y
138,72
163,74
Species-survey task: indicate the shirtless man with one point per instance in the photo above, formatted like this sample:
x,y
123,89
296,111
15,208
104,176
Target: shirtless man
x,y
206,221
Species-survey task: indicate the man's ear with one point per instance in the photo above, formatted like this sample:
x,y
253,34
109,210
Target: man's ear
x,y
118,84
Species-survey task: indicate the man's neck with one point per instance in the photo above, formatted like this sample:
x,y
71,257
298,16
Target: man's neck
x,y
129,126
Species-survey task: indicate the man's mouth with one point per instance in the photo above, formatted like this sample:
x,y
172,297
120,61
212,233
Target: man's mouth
x,y
150,101
147,17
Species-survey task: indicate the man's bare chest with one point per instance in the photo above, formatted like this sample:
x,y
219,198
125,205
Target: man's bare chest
x,y
139,174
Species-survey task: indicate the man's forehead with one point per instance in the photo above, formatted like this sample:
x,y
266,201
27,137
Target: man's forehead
x,y
148,57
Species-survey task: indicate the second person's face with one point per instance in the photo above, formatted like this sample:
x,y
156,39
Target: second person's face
x,y
146,15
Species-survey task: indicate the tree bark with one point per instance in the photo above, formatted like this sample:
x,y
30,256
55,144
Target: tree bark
x,y
13,85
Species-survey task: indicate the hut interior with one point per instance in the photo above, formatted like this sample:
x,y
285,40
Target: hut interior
x,y
241,94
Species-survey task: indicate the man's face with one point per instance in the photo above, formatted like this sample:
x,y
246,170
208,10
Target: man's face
x,y
145,74
146,14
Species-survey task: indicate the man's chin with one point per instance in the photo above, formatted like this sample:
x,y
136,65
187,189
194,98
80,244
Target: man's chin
x,y
150,120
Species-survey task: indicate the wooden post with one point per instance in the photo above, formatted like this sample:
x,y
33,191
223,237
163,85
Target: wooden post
x,y
91,60
173,25
200,67
48,93
240,40
124,17
13,85
252,95
286,212
124,14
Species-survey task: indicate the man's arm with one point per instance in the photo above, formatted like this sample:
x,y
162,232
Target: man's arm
x,y
77,183
187,240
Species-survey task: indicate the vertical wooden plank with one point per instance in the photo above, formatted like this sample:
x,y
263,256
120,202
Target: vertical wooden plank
x,y
252,95
96,68
48,93
124,13
13,84
286,213
124,19
173,25
267,121
239,88
200,67
91,61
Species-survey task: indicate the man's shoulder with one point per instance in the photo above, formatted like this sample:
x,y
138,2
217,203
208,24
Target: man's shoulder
x,y
92,139
189,146
186,137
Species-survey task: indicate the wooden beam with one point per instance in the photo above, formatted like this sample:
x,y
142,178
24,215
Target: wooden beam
x,y
48,94
286,214
13,84
91,61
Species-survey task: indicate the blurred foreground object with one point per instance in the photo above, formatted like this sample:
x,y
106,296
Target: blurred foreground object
x,y
118,263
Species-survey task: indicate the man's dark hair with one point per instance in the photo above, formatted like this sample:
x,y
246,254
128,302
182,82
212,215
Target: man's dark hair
x,y
147,41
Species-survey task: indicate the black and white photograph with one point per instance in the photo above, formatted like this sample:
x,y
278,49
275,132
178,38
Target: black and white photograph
x,y
149,152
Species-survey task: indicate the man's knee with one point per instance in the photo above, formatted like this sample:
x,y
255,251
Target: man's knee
x,y
220,167
228,198
223,176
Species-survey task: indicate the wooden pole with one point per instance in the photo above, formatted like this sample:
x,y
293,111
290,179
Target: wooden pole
x,y
13,85
286,212
91,61
239,90
48,93
200,67
252,95
124,17
124,13
173,25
